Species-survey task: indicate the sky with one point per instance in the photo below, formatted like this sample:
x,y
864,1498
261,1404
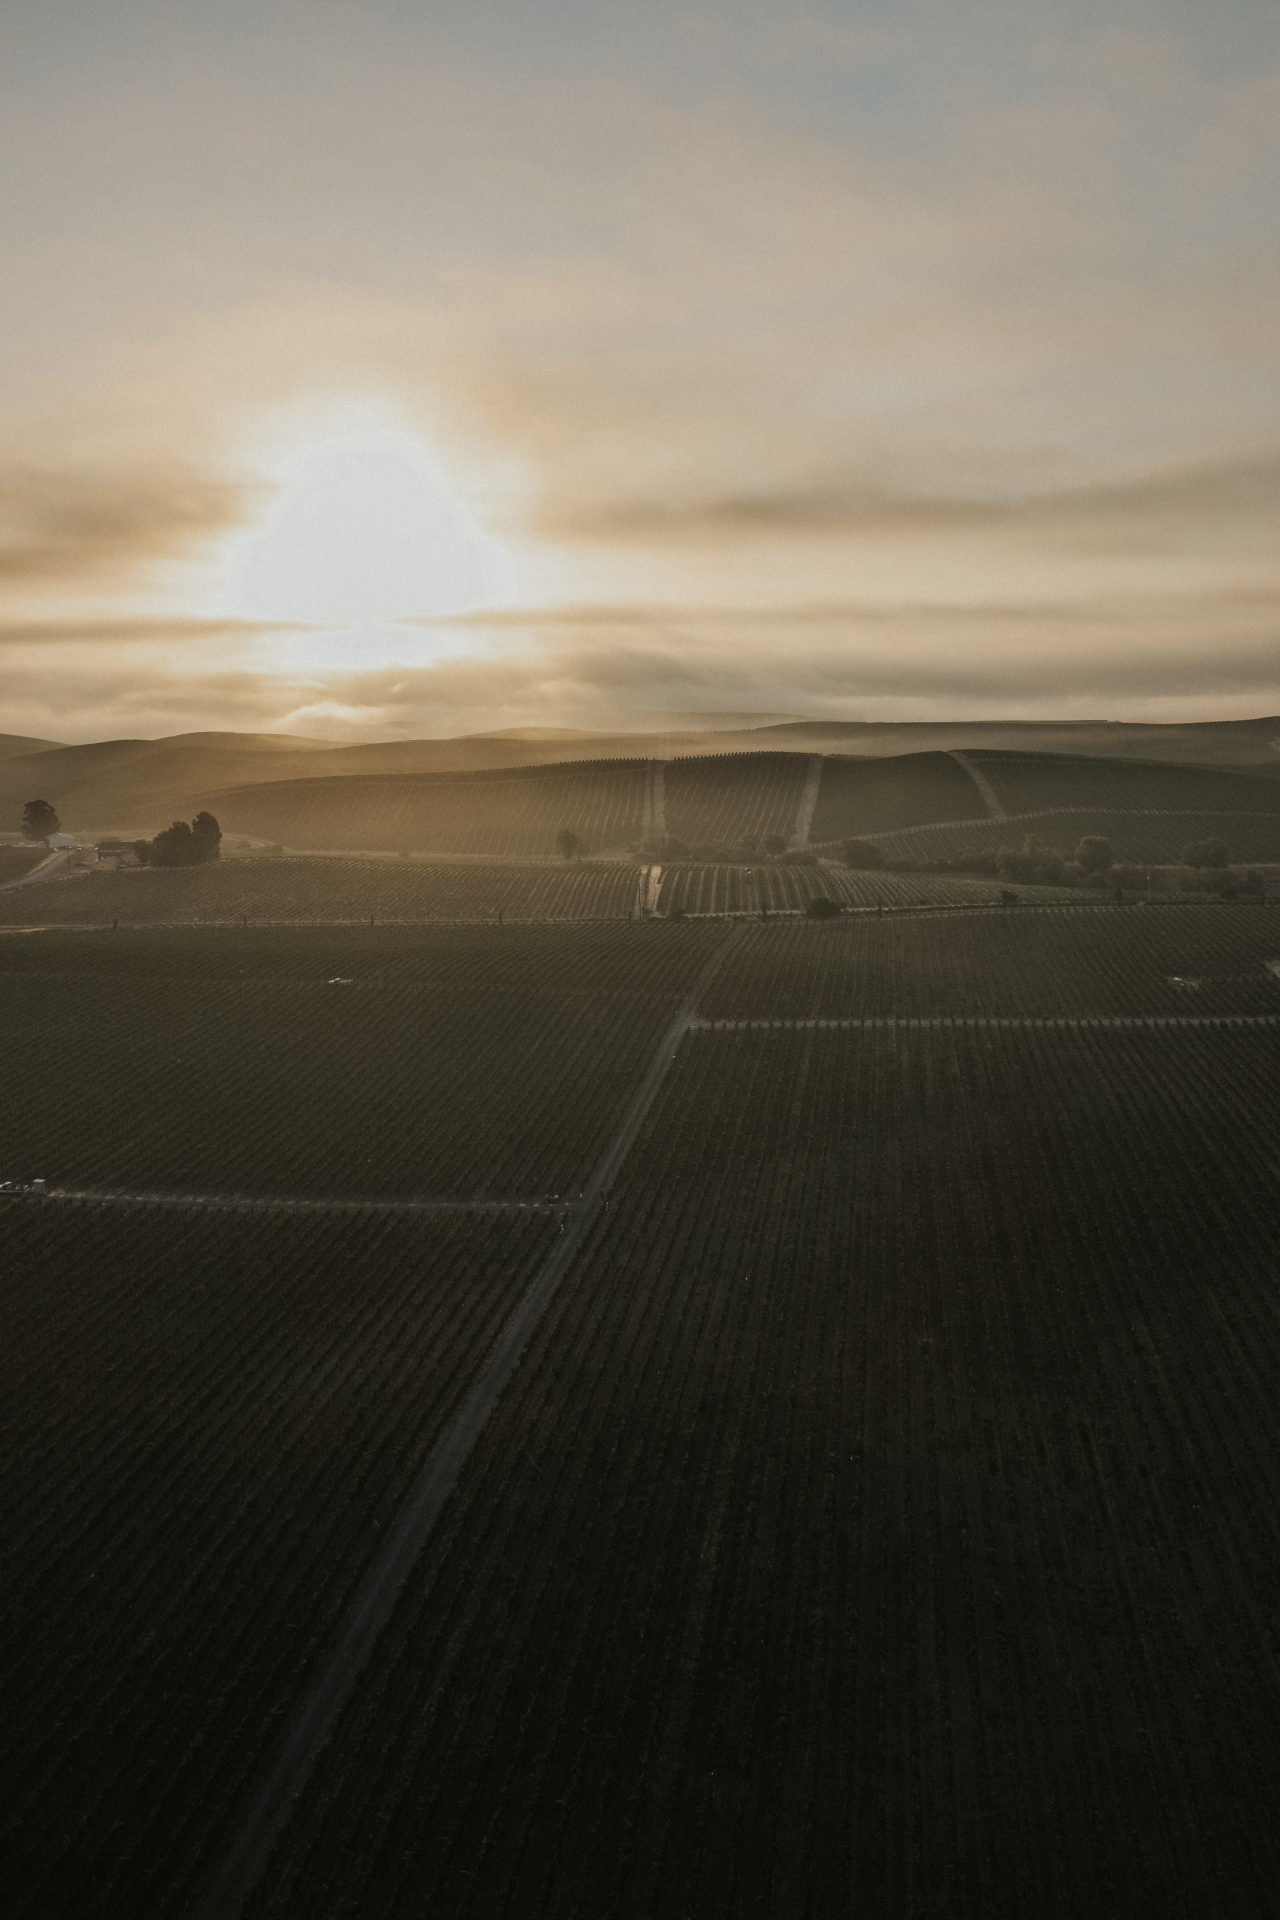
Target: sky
x,y
405,368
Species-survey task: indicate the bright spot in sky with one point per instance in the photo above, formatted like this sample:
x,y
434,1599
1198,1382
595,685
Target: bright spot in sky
x,y
365,529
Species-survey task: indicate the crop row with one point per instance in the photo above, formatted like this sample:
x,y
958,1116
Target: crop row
x,y
877,1523
1141,839
654,957
518,811
331,889
1028,780
338,1091
857,798
787,888
1195,959
727,797
209,1421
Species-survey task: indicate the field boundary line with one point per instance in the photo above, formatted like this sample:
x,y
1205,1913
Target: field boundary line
x,y
311,1722
808,804
963,1020
1047,813
293,1203
980,781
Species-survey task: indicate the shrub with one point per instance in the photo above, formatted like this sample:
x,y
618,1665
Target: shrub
x,y
820,908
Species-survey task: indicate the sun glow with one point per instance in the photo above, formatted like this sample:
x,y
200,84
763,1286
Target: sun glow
x,y
364,531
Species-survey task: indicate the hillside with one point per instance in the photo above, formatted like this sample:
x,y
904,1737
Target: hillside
x,y
13,744
137,786
737,805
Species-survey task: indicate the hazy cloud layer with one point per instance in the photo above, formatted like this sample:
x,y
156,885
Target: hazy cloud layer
x,y
821,357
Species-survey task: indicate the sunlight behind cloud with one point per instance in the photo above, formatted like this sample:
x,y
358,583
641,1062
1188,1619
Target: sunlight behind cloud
x,y
364,529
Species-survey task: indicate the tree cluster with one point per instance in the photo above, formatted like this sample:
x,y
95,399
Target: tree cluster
x,y
187,846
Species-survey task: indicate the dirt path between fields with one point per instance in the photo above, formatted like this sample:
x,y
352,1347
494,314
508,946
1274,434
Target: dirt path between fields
x,y
964,1020
312,1721
980,781
808,801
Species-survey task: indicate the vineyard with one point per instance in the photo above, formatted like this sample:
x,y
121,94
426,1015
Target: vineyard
x,y
783,888
344,1090
858,798
885,1536
17,862
1100,962
1142,839
881,1516
517,812
333,890
721,798
1025,782
209,1421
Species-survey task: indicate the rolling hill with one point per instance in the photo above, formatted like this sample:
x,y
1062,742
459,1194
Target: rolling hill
x,y
137,786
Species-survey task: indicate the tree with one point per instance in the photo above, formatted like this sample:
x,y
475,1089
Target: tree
x,y
172,848
568,845
1206,853
1095,853
187,846
39,820
820,908
862,853
207,834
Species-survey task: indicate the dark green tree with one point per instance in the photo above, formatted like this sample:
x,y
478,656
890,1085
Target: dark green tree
x,y
39,820
568,845
207,835
820,908
173,847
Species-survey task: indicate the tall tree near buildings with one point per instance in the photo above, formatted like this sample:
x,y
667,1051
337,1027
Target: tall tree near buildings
x,y
39,820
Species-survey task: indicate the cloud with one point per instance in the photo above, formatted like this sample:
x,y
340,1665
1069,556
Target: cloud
x,y
68,526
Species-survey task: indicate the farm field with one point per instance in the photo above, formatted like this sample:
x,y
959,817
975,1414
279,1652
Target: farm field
x,y
209,1421
1024,781
1103,961
726,797
314,888
341,1089
881,1519
17,862
785,888
515,812
860,798
890,1534
1139,839
599,957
